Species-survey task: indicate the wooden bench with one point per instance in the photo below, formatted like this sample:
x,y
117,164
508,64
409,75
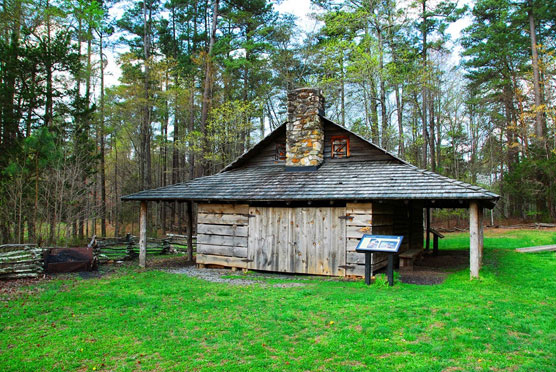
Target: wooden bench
x,y
407,258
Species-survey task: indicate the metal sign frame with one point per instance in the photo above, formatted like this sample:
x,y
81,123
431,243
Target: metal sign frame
x,y
379,243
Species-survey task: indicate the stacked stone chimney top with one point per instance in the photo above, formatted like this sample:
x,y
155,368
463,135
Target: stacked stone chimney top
x,y
304,130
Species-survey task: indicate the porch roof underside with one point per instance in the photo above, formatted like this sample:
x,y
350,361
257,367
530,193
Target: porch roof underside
x,y
350,181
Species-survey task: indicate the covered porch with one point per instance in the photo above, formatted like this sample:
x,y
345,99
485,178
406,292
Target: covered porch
x,y
475,208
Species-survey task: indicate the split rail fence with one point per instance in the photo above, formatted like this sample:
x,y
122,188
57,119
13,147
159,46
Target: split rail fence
x,y
29,261
125,248
21,261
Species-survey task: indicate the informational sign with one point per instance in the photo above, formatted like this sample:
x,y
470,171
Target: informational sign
x,y
379,243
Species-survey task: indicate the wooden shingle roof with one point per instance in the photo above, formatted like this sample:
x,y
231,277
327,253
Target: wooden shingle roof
x,y
388,178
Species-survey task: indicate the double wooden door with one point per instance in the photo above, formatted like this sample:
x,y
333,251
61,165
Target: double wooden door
x,y
297,240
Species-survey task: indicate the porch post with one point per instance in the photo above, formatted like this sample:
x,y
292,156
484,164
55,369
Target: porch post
x,y
475,238
143,234
190,231
428,229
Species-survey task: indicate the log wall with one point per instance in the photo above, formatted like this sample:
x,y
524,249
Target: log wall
x,y
222,231
388,218
366,218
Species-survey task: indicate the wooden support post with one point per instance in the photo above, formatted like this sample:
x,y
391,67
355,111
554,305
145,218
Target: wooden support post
x,y
428,229
190,231
143,234
368,272
475,238
390,269
481,235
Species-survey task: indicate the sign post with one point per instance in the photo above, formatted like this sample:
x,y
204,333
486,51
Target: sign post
x,y
379,243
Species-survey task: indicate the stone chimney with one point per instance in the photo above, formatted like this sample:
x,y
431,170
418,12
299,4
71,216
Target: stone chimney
x,y
304,130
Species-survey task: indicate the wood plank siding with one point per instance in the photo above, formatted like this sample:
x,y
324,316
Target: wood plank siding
x,y
297,240
222,231
359,150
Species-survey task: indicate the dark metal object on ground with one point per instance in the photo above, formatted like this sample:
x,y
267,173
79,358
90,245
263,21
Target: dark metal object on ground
x,y
68,260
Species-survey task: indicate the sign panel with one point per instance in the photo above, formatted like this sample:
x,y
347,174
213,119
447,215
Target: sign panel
x,y
379,243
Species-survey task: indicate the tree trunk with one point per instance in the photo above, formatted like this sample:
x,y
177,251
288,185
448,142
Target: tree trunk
x,y
145,160
399,109
385,143
539,122
10,67
191,128
374,113
116,198
432,130
48,110
207,86
164,157
424,90
343,91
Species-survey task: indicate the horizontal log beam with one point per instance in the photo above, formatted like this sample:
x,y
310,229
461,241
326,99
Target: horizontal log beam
x,y
221,261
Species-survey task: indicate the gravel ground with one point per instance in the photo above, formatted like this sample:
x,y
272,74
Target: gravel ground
x,y
254,278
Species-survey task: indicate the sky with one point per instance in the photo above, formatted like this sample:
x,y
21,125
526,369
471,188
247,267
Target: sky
x,y
301,9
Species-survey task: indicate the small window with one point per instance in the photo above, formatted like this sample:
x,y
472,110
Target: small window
x,y
280,153
340,147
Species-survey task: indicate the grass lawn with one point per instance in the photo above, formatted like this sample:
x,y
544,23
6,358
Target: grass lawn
x,y
152,320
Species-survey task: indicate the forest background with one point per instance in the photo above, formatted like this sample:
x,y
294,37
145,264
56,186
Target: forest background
x,y
202,81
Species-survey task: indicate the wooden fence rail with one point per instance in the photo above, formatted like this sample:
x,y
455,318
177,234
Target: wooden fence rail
x,y
127,247
21,261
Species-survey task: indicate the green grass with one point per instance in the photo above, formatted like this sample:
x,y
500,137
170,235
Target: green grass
x,y
151,320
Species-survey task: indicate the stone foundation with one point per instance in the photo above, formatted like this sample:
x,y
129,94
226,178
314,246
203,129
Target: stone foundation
x,y
305,132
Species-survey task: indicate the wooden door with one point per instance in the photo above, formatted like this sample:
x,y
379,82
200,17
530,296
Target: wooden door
x,y
297,240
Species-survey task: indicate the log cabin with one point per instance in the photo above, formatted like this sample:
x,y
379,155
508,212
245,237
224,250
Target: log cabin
x,y
301,198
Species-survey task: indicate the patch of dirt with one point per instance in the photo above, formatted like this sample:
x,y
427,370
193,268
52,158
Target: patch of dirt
x,y
15,287
167,262
422,277
432,269
12,288
96,274
446,260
